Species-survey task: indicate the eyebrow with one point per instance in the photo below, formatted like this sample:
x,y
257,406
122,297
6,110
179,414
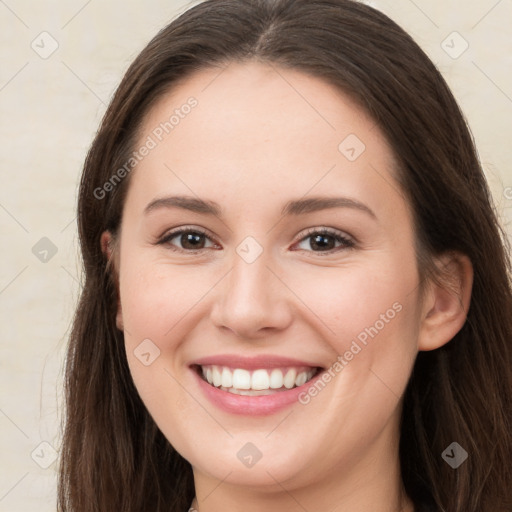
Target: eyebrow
x,y
296,207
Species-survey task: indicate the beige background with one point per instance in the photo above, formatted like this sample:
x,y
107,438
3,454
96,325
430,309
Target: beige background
x,y
50,108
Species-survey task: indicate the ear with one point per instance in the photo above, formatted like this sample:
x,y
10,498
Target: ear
x,y
446,304
108,246
106,242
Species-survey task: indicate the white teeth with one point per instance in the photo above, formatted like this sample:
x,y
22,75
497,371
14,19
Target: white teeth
x,y
247,392
289,380
227,378
217,379
241,379
244,382
301,379
260,380
276,379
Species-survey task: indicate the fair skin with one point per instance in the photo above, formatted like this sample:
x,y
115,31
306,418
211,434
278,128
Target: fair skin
x,y
259,137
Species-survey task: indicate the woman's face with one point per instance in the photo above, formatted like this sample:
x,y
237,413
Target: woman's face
x,y
297,254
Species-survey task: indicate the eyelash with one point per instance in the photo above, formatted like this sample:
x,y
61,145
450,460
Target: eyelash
x,y
346,242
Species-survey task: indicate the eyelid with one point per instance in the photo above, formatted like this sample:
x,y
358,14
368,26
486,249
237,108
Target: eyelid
x,y
348,240
169,235
326,230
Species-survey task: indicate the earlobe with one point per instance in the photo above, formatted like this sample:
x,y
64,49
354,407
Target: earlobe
x,y
446,304
119,317
107,248
106,244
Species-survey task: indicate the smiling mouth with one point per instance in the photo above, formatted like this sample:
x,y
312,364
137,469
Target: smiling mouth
x,y
257,382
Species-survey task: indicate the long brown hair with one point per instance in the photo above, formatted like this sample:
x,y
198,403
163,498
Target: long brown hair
x,y
113,455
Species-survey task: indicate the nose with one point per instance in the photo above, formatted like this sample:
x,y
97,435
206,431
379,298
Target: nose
x,y
252,300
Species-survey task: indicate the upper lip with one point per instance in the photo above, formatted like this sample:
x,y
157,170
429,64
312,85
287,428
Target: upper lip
x,y
252,363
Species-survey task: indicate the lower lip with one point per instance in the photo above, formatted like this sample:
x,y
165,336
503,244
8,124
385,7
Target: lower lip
x,y
252,405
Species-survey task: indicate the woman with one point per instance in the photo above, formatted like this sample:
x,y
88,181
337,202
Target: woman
x,y
297,294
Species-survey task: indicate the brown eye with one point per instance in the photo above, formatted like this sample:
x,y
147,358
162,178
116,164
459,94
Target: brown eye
x,y
186,240
324,240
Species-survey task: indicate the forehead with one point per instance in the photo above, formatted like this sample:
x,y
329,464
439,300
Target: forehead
x,y
249,101
248,130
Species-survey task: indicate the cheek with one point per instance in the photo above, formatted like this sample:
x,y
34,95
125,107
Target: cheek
x,y
367,314
359,300
156,297
156,301
161,305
